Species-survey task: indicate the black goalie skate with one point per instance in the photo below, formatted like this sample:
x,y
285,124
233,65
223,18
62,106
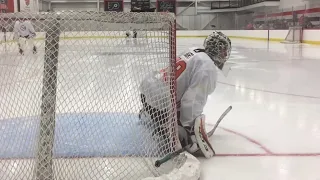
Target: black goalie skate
x,y
34,50
21,51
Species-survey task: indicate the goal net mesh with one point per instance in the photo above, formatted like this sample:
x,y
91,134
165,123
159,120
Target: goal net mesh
x,y
294,35
70,111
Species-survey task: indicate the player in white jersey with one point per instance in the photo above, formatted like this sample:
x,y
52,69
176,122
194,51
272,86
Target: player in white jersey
x,y
24,33
196,77
134,36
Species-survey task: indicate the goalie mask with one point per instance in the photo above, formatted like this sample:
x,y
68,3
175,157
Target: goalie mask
x,y
218,47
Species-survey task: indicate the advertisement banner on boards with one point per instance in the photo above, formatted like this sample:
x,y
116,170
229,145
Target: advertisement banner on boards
x,y
113,5
140,4
166,6
29,6
6,6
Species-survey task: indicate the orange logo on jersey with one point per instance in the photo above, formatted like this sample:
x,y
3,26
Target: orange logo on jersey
x,y
180,67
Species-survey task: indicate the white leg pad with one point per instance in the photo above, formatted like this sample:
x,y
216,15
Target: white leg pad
x,y
30,42
22,43
202,138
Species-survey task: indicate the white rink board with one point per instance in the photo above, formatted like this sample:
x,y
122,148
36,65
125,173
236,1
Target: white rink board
x,y
8,36
311,35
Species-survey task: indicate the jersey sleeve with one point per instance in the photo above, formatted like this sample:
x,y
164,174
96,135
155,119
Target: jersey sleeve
x,y
32,32
194,99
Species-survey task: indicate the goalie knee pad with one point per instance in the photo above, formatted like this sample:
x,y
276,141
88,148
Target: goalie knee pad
x,y
156,118
193,146
184,136
187,139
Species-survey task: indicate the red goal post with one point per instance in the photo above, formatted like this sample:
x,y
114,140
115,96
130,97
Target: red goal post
x,y
294,35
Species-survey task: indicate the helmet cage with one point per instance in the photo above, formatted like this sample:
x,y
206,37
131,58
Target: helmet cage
x,y
218,48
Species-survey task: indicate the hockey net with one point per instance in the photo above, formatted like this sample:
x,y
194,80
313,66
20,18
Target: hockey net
x,y
294,36
70,111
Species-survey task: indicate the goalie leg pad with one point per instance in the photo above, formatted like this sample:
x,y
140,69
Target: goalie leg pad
x,y
202,138
187,139
156,122
158,119
184,137
22,44
30,42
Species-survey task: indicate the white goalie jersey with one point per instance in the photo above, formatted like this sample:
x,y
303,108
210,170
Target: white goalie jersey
x,y
196,76
24,29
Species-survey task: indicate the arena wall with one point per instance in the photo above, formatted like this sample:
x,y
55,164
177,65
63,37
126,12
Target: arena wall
x,y
309,36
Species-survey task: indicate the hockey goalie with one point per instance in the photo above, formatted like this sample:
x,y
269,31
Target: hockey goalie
x,y
24,34
134,36
196,77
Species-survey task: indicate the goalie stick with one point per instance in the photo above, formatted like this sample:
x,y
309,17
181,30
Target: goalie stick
x,y
209,134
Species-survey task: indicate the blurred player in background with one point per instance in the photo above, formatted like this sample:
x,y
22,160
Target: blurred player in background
x,y
196,77
134,32
134,36
128,35
24,34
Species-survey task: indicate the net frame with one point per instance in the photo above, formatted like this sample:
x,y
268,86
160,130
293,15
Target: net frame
x,y
294,36
185,165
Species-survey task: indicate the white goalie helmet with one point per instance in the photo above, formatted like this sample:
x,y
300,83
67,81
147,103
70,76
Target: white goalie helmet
x,y
218,47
